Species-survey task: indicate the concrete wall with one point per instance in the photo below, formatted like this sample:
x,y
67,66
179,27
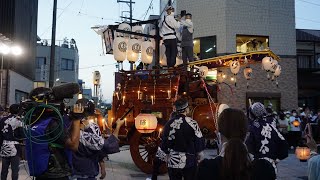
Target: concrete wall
x,y
17,82
67,53
227,18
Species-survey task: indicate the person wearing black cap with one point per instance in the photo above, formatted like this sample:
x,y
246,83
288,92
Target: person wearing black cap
x,y
168,28
183,143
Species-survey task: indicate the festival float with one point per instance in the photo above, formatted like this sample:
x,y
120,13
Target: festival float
x,y
143,97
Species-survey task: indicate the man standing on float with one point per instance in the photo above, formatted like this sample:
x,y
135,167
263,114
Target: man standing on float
x,y
168,27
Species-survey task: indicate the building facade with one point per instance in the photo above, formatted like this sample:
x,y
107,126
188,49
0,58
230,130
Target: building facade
x,y
308,63
66,63
225,27
18,21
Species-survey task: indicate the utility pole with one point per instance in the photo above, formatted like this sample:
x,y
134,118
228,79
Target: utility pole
x,y
53,46
130,11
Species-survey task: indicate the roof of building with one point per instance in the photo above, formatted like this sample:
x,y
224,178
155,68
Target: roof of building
x,y
307,35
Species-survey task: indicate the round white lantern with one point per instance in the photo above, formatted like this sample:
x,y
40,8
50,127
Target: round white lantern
x,y
134,47
137,29
277,71
247,72
235,67
267,63
147,52
125,27
203,71
119,49
274,66
179,60
163,57
146,123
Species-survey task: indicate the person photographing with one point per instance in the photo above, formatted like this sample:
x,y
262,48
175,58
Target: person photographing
x,y
51,136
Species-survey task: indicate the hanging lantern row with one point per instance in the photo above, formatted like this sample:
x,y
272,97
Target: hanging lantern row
x,y
126,47
272,66
268,64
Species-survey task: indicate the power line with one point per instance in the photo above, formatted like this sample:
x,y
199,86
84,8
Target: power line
x,y
150,7
63,10
102,65
308,2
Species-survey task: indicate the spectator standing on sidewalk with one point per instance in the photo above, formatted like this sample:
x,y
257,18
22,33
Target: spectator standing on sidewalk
x,y
295,129
10,135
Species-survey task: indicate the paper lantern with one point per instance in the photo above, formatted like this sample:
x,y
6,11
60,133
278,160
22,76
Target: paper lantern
x,y
147,52
277,71
203,71
134,47
146,123
220,76
163,57
274,66
267,63
303,153
125,27
296,123
247,72
119,49
235,67
179,60
137,29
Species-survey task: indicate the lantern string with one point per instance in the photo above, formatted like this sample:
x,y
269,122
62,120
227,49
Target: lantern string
x,y
170,89
210,99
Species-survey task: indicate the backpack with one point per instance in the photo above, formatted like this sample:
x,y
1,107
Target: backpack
x,y
39,153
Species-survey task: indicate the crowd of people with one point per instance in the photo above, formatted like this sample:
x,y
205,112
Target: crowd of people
x,y
249,146
60,146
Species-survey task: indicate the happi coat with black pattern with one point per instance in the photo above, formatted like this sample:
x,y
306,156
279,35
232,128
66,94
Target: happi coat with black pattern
x,y
182,140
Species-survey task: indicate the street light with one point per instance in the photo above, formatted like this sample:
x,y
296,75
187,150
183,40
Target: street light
x,y
5,50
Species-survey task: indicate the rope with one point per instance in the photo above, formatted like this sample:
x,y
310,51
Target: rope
x,y
210,99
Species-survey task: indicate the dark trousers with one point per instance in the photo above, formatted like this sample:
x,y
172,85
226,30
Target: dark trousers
x,y
187,54
14,161
186,173
294,138
156,166
171,51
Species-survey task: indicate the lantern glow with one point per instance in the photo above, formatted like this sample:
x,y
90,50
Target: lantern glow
x,y
303,153
146,123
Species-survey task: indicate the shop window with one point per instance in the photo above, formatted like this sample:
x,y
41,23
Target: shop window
x,y
248,43
67,64
20,96
205,47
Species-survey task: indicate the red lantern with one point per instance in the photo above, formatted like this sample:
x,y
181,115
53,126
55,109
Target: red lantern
x,y
146,123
